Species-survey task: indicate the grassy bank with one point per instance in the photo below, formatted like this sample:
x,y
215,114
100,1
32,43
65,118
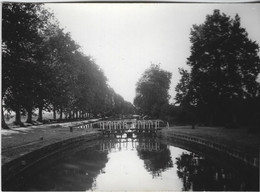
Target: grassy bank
x,y
238,139
19,141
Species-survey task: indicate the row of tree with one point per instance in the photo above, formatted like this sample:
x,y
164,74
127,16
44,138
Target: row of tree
x,y
43,68
220,89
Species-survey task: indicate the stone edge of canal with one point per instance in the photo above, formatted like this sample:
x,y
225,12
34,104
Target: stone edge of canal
x,y
19,164
209,146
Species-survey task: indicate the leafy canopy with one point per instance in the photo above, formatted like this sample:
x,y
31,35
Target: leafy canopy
x,y
152,91
224,61
224,66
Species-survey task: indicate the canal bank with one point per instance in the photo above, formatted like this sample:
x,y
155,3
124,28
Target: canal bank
x,y
19,141
236,143
23,147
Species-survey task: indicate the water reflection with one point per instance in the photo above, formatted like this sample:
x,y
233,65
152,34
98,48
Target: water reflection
x,y
140,144
199,174
137,164
133,164
74,172
114,145
156,157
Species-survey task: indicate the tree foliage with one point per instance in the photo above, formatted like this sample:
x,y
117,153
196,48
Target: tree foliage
x,y
152,91
182,87
224,68
22,25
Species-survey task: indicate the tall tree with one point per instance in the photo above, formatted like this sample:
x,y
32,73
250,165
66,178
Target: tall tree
x,y
187,112
182,88
152,91
22,23
46,58
224,66
63,66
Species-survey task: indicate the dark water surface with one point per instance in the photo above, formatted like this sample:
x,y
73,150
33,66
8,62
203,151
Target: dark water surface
x,y
134,164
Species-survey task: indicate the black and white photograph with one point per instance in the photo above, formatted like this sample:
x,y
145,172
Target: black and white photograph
x,y
130,95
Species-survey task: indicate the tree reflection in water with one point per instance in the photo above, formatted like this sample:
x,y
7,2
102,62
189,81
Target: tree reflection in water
x,y
111,163
75,171
156,157
199,174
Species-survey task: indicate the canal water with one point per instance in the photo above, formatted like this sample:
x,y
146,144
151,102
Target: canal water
x,y
133,164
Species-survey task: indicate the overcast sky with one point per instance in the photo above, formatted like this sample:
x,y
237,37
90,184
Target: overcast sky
x,y
124,39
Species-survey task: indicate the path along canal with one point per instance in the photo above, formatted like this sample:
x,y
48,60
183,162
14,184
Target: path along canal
x,y
131,164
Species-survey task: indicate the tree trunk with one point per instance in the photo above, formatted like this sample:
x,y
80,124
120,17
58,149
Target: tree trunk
x,y
234,118
70,115
29,115
54,112
17,117
40,114
77,114
234,122
61,111
211,119
3,124
81,115
73,114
